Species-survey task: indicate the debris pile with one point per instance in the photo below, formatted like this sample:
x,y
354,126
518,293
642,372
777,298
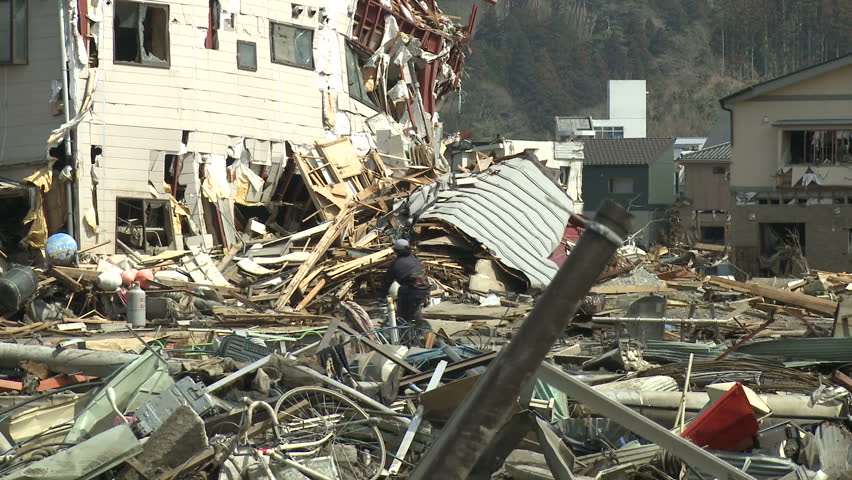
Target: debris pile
x,y
277,358
264,345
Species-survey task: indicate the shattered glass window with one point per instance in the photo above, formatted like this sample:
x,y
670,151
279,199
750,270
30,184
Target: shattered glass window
x,y
13,31
292,45
357,88
141,33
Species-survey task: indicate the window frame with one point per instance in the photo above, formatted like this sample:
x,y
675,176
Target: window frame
x,y
13,59
365,97
142,62
608,132
272,59
167,228
612,180
808,155
253,44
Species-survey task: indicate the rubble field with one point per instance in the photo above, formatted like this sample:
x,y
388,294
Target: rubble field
x,y
278,358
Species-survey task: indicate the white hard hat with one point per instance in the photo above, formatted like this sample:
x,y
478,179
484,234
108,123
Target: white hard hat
x,y
400,244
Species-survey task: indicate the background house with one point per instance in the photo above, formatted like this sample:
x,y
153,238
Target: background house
x,y
639,173
792,151
704,198
626,115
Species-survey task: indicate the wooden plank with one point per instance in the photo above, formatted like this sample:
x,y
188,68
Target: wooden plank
x,y
618,289
341,153
347,267
709,247
814,304
319,250
163,256
308,298
66,280
81,273
229,255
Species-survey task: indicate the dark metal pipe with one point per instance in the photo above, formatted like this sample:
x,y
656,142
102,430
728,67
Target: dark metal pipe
x,y
489,406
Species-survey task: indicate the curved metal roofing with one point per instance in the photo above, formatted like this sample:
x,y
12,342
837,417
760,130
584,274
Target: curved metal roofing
x,y
515,210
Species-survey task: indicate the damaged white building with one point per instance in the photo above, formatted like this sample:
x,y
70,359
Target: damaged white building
x,y
177,121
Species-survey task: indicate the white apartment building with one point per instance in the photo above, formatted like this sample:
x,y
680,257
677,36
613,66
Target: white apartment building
x,y
163,97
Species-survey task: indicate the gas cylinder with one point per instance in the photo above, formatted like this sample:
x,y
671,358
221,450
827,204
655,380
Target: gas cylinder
x,y
136,306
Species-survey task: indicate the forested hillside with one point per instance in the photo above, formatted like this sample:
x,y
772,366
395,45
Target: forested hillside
x,y
535,59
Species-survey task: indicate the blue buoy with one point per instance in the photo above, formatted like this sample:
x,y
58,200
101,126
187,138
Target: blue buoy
x,y
61,249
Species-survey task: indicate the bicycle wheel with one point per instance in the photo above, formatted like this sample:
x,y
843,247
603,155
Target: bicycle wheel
x,y
333,426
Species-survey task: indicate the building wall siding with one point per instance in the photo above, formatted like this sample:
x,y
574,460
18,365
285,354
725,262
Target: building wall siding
x,y
757,143
596,185
826,233
25,112
707,190
140,111
661,179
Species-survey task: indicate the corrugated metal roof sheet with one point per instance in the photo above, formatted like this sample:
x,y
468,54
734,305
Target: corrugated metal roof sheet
x,y
515,210
624,151
824,349
717,152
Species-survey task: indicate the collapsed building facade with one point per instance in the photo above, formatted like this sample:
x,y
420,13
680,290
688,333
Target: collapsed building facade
x,y
177,122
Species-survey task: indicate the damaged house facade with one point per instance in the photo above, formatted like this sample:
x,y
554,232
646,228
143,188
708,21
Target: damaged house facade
x,y
189,120
704,196
791,152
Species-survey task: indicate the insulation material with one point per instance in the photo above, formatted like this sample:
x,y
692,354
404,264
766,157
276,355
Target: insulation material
x,y
248,186
178,210
216,182
327,59
37,235
91,219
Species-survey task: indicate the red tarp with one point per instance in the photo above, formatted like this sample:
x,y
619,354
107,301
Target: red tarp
x,y
729,424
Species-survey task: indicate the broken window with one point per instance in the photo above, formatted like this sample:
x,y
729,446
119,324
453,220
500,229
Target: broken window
x,y
246,55
292,45
214,18
609,132
357,90
141,33
818,146
714,235
781,245
621,185
564,175
143,224
13,31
